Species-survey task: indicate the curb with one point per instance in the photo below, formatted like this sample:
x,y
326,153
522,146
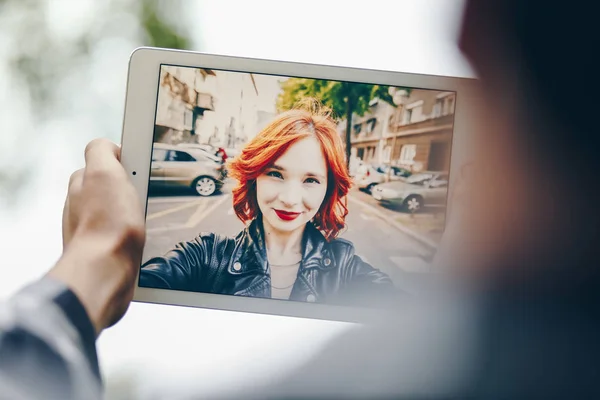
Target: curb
x,y
417,236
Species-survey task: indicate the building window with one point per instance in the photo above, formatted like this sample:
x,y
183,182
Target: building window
x,y
413,113
387,154
407,116
361,153
407,154
444,105
371,153
371,125
357,128
188,116
450,105
437,108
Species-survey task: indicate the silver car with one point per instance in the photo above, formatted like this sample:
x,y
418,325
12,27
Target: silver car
x,y
175,166
415,192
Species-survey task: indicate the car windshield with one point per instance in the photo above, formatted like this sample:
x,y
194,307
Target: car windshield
x,y
419,179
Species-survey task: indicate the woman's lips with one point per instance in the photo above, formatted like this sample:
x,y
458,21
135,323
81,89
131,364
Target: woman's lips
x,y
286,215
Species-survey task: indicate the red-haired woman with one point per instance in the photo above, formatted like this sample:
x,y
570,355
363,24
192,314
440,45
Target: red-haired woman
x,y
291,193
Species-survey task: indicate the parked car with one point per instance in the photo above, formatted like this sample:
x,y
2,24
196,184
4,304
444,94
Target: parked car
x,y
175,166
367,176
415,192
397,172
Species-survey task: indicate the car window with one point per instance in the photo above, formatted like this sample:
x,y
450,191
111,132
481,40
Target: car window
x,y
176,155
436,183
159,155
419,179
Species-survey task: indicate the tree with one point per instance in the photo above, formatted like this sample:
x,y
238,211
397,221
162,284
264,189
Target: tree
x,y
44,60
344,98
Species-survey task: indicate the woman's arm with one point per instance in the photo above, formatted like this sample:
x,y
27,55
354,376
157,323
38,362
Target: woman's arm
x,y
363,285
182,268
363,273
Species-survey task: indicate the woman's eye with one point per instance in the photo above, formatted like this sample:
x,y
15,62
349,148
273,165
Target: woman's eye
x,y
312,180
275,174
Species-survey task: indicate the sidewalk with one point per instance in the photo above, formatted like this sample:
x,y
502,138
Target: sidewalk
x,y
426,226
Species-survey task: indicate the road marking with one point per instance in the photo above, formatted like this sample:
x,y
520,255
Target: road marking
x,y
424,240
199,216
201,207
171,199
164,229
172,210
411,264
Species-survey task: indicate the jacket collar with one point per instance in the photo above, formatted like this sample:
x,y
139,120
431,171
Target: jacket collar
x,y
253,257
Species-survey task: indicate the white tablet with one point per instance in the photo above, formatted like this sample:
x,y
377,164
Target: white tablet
x,y
287,188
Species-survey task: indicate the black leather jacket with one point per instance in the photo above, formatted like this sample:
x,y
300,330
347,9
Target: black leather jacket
x,y
330,272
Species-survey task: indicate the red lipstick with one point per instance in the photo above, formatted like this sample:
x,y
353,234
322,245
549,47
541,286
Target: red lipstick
x,y
286,215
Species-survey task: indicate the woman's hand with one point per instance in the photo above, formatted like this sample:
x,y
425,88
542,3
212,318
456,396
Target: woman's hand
x,y
103,235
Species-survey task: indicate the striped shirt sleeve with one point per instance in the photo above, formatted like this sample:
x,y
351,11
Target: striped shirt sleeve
x,y
47,345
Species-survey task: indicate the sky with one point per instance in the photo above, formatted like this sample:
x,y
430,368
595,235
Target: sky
x,y
400,35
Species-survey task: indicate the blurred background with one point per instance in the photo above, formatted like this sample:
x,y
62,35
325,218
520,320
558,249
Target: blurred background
x,y
63,65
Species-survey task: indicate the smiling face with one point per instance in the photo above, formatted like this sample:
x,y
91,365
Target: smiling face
x,y
291,190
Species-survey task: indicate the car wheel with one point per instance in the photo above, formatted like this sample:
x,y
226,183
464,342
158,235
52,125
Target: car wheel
x,y
369,188
413,203
204,186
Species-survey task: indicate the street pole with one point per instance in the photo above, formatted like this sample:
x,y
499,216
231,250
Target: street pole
x,y
384,134
399,98
349,107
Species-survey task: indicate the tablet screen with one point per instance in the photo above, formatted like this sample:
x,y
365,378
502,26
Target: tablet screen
x,y
293,188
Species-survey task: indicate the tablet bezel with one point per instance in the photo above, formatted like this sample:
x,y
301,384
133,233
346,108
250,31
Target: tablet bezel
x,y
137,137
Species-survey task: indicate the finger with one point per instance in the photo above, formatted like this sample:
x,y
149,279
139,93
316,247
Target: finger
x,y
75,184
102,155
75,180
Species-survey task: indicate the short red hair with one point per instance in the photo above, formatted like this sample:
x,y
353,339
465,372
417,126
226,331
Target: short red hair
x,y
270,144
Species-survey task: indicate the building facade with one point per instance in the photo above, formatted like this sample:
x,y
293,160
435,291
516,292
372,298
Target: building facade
x,y
369,130
183,99
419,134
415,134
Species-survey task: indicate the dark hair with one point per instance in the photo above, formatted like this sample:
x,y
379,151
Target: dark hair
x,y
546,52
552,47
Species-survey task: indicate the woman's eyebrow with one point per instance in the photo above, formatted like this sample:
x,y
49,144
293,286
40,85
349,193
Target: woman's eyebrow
x,y
313,174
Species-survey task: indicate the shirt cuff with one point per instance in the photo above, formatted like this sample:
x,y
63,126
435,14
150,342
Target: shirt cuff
x,y
60,294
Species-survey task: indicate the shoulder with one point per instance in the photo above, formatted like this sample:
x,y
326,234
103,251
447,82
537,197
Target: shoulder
x,y
341,244
212,237
341,250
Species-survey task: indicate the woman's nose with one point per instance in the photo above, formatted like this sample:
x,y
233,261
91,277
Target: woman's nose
x,y
291,194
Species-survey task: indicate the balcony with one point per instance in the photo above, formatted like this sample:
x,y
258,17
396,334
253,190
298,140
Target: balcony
x,y
428,125
365,137
205,101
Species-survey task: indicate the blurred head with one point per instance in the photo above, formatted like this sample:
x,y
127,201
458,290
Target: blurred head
x,y
530,200
293,172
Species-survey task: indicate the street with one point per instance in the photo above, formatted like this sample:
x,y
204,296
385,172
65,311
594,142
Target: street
x,y
179,216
